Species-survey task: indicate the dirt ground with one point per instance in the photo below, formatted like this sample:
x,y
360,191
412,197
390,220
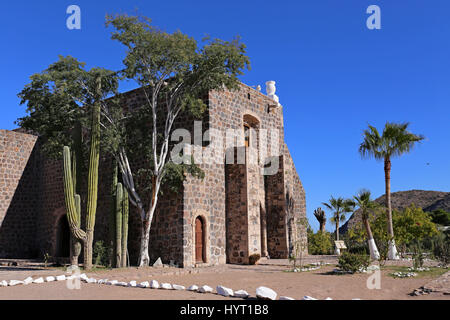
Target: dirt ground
x,y
318,284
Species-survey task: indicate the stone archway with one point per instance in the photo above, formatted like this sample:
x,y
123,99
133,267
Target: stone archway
x,y
62,237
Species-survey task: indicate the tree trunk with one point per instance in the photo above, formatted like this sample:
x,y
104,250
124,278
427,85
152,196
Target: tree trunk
x,y
144,258
392,254
322,227
337,230
374,254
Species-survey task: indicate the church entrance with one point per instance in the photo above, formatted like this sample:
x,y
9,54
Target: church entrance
x,y
63,238
199,241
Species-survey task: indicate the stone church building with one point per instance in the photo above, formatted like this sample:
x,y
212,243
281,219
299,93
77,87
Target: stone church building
x,y
234,212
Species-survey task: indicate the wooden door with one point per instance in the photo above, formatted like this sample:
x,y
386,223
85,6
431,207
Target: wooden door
x,y
199,257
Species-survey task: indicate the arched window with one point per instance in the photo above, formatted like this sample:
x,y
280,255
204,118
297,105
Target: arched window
x,y
251,131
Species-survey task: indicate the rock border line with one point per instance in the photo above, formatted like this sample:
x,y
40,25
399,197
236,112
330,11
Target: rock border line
x,y
262,293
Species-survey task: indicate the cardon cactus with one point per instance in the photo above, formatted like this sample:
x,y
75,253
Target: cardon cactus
x,y
119,201
112,218
75,244
73,215
125,209
94,159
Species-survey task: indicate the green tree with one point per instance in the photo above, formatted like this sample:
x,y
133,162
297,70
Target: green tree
x,y
173,73
339,208
412,224
440,217
320,243
366,206
395,140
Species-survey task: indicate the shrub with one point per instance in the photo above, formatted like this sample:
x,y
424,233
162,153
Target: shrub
x,y
441,249
353,262
100,254
320,243
254,258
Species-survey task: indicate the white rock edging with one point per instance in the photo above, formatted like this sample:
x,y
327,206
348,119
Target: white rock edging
x,y
224,291
266,293
241,294
205,289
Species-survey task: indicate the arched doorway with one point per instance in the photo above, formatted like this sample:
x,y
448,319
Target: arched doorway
x,y
199,241
63,237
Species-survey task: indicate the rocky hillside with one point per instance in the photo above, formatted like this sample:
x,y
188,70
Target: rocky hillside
x,y
427,200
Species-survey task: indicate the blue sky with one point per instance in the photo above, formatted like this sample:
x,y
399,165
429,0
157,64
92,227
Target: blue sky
x,y
334,76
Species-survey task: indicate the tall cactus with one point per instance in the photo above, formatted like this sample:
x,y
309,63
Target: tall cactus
x,y
125,209
119,201
69,195
72,215
75,244
94,158
112,217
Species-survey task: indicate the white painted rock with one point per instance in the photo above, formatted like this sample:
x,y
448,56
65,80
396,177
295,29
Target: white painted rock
x,y
328,298
132,283
61,277
205,289
28,280
38,280
178,287
111,282
121,284
91,280
308,298
241,294
144,284
50,278
84,277
158,263
15,282
286,298
193,288
356,299
224,291
3,283
102,281
166,286
154,284
265,293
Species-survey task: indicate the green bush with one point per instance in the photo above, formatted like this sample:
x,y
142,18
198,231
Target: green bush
x,y
100,254
353,262
441,249
320,243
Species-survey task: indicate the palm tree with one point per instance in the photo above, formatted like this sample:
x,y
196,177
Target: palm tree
x,y
395,141
363,201
321,217
339,207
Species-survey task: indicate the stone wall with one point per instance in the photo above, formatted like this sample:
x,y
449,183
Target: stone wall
x,y
20,186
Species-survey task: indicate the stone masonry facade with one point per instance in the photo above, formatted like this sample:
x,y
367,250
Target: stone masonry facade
x,y
242,211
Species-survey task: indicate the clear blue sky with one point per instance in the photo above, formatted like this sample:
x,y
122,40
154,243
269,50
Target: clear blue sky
x,y
334,76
